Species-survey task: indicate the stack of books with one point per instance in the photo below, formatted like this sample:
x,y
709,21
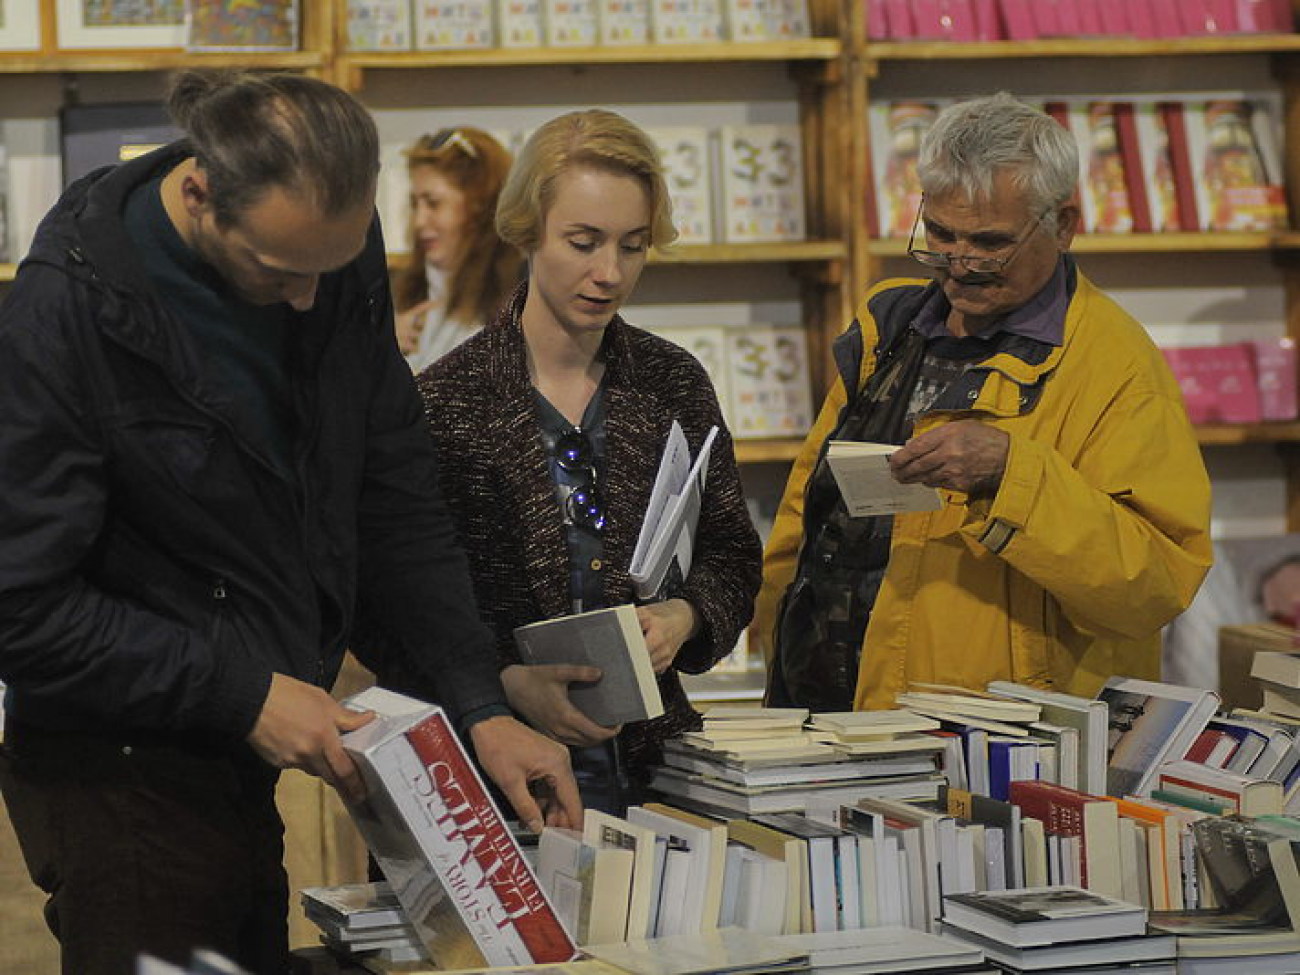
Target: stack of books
x,y
362,920
888,949
1059,929
750,761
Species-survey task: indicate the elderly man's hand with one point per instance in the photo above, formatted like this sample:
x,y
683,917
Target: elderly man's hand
x,y
966,455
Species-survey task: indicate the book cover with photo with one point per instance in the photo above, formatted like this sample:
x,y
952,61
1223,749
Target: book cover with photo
x,y
1233,143
625,22
686,21
896,129
1102,180
569,23
1150,722
1156,165
519,24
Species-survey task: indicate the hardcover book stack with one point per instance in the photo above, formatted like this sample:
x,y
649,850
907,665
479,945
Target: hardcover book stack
x,y
888,949
1059,929
748,761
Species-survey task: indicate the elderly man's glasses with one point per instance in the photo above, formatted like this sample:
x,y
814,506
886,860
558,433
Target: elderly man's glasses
x,y
576,456
970,264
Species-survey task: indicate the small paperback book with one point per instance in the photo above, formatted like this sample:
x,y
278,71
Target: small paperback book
x,y
661,560
443,846
862,472
610,639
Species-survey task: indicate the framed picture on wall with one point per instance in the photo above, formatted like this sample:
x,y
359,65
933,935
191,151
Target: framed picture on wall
x,y
20,25
95,24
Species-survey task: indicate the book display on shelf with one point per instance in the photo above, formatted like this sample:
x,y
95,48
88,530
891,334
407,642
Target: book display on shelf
x,y
687,158
570,23
1107,207
768,381
1233,144
625,22
1218,382
442,844
218,25
520,23
686,21
448,25
1150,723
379,25
762,184
98,26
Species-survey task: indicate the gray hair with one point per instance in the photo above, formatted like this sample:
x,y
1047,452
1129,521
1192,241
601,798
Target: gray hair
x,y
971,141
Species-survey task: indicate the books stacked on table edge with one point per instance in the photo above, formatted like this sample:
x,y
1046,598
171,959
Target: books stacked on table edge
x,y
362,920
1059,929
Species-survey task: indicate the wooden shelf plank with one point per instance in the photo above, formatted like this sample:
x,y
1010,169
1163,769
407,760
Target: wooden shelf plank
x,y
163,59
7,271
808,49
1109,47
1229,435
1178,243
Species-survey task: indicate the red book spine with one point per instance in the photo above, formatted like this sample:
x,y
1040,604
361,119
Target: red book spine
x,y
1180,161
1134,183
471,816
1060,809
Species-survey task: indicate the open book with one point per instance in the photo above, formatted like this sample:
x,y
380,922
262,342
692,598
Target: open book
x,y
862,472
662,557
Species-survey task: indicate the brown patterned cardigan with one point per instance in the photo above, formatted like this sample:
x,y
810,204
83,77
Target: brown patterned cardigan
x,y
495,476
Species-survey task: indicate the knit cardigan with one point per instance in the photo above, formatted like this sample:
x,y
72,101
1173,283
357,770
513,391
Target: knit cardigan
x,y
495,475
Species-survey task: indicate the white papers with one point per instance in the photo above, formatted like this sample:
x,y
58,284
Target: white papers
x,y
668,532
862,472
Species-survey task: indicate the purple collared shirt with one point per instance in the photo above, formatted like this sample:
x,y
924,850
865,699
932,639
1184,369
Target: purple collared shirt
x,y
1041,318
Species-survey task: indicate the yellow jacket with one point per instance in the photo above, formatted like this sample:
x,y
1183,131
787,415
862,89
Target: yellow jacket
x,y
1097,537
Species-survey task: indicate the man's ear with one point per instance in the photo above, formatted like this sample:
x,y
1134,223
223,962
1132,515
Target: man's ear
x,y
195,193
1069,221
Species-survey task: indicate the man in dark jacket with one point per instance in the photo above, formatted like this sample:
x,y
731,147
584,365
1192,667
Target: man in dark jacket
x,y
214,473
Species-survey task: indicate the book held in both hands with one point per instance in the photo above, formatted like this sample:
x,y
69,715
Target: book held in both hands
x,y
610,639
662,557
429,822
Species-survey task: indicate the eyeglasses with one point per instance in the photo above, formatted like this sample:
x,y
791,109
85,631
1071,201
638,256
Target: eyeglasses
x,y
451,138
984,267
576,456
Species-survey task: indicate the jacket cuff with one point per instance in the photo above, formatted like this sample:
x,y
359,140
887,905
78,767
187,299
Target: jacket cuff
x,y
236,704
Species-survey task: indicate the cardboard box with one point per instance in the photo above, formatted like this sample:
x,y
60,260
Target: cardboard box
x,y
1237,647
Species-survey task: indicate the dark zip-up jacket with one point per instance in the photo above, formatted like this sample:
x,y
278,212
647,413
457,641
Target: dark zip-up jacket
x,y
155,569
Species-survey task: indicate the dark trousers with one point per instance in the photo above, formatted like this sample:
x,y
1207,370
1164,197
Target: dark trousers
x,y
144,846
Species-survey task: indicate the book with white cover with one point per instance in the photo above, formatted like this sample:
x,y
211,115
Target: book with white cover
x,y
569,23
519,25
588,885
1088,715
379,25
704,953
602,829
769,385
625,22
357,906
896,129
445,25
443,846
1044,915
661,560
1150,722
610,639
868,485
748,20
788,20
762,185
686,21
888,948
685,151
705,843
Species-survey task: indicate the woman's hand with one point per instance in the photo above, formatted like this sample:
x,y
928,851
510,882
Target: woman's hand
x,y
410,324
541,694
667,626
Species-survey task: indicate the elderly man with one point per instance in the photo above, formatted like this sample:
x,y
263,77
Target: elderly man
x,y
1076,512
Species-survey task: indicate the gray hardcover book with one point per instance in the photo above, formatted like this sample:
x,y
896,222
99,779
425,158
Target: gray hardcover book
x,y
610,639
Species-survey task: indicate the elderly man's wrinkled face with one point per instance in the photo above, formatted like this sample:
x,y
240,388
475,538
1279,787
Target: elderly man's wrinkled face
x,y
1002,227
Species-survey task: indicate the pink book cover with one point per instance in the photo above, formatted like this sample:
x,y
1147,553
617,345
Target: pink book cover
x,y
962,24
1114,18
927,20
1018,19
1070,18
1218,382
1283,17
988,26
1224,13
1154,18
1275,371
1047,18
901,25
877,20
1090,23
